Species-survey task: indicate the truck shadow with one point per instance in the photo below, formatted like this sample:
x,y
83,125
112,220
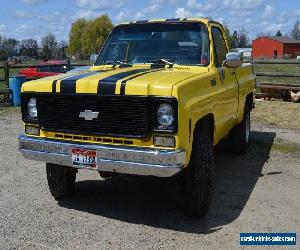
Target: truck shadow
x,y
157,202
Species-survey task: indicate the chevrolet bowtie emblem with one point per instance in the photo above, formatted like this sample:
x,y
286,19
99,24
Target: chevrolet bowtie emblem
x,y
88,115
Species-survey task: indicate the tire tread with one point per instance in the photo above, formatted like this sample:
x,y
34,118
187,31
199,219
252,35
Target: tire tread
x,y
199,184
61,180
238,143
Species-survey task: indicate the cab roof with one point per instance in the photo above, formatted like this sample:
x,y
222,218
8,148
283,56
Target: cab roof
x,y
172,20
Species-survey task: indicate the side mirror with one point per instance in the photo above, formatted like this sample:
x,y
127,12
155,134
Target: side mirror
x,y
93,58
233,60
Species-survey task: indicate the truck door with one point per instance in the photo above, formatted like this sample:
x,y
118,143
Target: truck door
x,y
227,104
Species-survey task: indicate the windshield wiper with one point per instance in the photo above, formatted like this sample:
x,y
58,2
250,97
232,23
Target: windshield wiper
x,y
162,61
123,63
119,62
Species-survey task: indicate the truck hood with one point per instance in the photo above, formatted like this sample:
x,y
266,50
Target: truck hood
x,y
115,81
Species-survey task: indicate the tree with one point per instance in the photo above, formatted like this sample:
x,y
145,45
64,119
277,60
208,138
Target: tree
x,y
1,48
94,35
262,34
278,33
87,37
49,45
77,29
29,47
243,38
228,37
234,40
295,33
10,47
62,50
239,39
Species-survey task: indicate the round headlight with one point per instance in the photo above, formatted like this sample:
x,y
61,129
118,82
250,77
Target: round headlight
x,y
165,115
31,108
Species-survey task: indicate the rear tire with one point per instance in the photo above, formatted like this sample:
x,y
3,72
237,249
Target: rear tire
x,y
239,136
198,183
61,180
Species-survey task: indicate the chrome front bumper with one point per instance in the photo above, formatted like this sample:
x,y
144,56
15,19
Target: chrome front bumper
x,y
127,160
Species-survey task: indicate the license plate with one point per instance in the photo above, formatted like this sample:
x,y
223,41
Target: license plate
x,y
84,158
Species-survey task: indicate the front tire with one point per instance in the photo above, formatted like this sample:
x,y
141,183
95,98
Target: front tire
x,y
239,136
61,180
198,177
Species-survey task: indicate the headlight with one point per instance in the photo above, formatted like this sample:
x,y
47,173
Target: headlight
x,y
165,115
31,108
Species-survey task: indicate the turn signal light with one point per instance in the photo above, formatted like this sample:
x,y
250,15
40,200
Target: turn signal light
x,y
164,141
32,130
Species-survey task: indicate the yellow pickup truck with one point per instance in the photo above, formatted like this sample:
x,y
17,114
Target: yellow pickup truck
x,y
161,94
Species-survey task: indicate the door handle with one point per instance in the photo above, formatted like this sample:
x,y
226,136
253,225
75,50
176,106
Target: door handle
x,y
213,82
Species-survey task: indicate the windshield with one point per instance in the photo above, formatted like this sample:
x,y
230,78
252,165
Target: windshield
x,y
180,43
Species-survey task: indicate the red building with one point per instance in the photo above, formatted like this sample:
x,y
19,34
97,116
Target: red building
x,y
275,47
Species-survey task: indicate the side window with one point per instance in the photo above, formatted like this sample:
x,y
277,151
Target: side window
x,y
220,46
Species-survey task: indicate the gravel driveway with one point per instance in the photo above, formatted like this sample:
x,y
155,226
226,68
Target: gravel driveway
x,y
258,192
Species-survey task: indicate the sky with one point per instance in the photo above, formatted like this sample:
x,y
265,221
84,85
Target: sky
x,y
23,19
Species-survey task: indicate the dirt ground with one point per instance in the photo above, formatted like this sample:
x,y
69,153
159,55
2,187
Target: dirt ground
x,y
257,192
277,113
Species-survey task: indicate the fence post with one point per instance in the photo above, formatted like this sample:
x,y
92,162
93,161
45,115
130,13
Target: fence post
x,y
6,74
68,64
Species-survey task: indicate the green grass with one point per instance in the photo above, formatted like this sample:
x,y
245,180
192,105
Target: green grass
x,y
292,68
13,72
286,68
277,80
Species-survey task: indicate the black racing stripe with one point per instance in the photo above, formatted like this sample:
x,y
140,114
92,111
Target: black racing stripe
x,y
55,82
173,20
107,86
69,85
54,86
123,83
